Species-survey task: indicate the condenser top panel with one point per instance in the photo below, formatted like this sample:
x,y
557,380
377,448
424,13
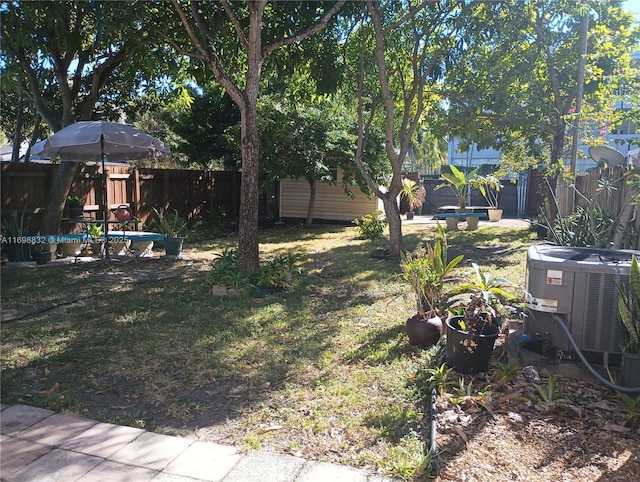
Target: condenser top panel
x,y
577,259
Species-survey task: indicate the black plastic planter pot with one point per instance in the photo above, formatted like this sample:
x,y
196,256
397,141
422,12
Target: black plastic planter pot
x,y
469,354
173,246
42,257
76,213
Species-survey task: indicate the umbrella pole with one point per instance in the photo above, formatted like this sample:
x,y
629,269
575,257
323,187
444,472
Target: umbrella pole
x,y
105,198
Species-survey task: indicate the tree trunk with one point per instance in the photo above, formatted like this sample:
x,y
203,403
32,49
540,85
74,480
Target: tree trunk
x,y
17,137
248,252
625,220
312,202
557,146
37,133
392,212
52,215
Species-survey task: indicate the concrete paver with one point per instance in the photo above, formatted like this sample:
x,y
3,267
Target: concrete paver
x,y
205,461
17,454
56,429
115,472
39,445
103,439
322,472
18,417
263,466
57,466
151,450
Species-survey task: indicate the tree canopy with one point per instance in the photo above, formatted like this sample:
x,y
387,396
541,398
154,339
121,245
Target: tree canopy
x,y
514,84
502,74
79,58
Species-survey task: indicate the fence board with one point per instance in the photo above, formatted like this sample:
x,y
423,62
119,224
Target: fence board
x,y
193,193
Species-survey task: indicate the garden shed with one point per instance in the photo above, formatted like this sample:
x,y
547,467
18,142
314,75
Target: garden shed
x,y
332,203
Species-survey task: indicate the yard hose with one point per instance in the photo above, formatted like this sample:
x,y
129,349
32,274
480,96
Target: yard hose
x,y
563,324
433,449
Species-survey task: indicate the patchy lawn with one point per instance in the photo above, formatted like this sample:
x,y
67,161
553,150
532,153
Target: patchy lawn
x,y
322,370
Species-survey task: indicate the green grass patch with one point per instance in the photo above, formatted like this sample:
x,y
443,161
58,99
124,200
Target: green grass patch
x,y
321,370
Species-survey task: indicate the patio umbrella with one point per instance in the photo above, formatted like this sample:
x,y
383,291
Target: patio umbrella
x,y
100,141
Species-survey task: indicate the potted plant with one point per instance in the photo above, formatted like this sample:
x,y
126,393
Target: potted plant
x,y
471,336
41,253
489,187
459,183
75,206
541,225
472,333
411,192
14,235
171,225
629,310
427,271
95,234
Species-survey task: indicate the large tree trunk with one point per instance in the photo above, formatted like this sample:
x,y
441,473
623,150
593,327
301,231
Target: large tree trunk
x,y
60,187
248,253
312,202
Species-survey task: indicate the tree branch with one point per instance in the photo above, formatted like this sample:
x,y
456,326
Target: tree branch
x,y
236,23
209,57
322,23
408,15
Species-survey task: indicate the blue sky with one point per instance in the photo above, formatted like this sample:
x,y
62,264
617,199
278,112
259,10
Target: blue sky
x,y
633,6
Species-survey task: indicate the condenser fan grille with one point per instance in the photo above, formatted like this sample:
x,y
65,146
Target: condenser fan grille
x,y
602,326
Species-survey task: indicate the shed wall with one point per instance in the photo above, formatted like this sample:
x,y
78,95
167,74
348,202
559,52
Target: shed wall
x,y
332,203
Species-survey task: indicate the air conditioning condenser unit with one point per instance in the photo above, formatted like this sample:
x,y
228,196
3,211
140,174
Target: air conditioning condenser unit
x,y
579,284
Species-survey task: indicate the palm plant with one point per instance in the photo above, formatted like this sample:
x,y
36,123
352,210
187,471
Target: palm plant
x,y
427,270
411,192
459,182
489,187
13,224
490,289
171,224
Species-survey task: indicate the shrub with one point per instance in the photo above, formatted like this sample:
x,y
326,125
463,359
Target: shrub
x,y
588,226
276,272
371,226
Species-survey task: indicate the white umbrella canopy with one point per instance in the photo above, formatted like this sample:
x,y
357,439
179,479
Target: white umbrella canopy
x,y
97,140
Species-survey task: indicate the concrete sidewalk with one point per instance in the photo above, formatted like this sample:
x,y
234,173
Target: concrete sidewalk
x,y
41,445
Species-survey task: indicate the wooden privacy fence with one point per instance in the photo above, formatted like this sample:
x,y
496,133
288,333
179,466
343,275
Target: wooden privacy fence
x,y
192,193
612,199
606,188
